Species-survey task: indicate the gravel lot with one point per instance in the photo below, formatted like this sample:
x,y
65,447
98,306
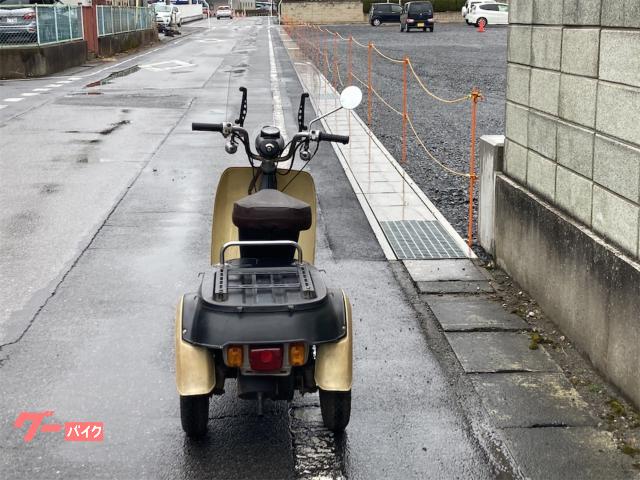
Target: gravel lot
x,y
450,62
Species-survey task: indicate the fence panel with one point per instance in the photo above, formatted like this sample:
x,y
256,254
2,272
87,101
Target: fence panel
x,y
23,25
113,20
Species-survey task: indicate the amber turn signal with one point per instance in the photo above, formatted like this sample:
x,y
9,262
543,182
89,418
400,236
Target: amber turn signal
x,y
234,356
296,354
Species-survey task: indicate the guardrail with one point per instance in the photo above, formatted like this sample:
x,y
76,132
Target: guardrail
x,y
28,25
114,20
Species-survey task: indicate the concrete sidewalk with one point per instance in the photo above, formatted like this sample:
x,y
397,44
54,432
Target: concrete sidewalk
x,y
533,410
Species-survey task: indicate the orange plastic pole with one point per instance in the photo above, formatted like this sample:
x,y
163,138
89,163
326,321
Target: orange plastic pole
x,y
334,76
404,109
369,86
349,61
369,98
475,96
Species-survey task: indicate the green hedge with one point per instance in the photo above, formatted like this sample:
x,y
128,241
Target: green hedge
x,y
438,5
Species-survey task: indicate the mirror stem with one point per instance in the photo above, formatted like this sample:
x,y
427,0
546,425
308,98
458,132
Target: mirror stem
x,y
322,116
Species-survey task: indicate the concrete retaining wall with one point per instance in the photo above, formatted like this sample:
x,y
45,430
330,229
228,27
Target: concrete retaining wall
x,y
573,110
112,44
567,218
25,62
324,12
591,289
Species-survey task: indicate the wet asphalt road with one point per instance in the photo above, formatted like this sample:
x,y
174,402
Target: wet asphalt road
x,y
105,212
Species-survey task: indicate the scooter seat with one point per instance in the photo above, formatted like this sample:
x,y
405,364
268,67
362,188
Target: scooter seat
x,y
271,210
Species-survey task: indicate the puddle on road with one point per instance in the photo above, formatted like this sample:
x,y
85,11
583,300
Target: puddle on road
x,y
112,76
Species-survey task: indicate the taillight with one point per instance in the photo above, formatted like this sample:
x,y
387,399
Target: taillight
x,y
234,356
265,359
29,16
296,354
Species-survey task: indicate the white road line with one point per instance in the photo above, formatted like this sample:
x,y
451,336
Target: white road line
x,y
13,99
75,78
53,85
278,113
41,89
29,94
3,106
65,81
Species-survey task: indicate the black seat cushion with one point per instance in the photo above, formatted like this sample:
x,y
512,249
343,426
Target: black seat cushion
x,y
271,210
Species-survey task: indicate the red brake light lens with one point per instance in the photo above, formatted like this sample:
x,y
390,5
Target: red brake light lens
x,y
265,359
29,16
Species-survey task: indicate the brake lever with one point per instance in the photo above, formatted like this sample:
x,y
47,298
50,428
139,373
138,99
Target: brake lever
x,y
243,107
301,126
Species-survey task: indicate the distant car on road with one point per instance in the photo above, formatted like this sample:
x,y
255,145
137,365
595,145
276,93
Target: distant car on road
x,y
224,11
380,13
417,15
466,8
489,14
164,13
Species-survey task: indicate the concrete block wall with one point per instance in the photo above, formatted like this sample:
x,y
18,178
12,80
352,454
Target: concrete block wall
x,y
313,11
573,111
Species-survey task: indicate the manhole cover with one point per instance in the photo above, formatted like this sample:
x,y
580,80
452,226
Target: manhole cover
x,y
420,239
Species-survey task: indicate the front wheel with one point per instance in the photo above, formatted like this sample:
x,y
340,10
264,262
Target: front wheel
x,y
194,414
336,409
376,22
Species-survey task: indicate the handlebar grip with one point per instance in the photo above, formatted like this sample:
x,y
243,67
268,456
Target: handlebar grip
x,y
330,137
207,127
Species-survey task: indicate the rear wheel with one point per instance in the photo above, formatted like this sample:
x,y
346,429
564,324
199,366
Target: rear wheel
x,y
336,409
376,22
194,414
482,22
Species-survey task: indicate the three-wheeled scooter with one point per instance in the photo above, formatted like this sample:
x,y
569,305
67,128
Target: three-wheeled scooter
x,y
263,314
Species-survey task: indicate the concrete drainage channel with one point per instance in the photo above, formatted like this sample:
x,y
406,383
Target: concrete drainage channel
x,y
537,425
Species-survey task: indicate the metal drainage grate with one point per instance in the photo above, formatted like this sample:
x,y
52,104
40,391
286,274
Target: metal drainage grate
x,y
420,239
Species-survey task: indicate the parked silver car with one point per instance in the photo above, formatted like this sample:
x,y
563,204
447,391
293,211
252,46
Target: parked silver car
x,y
18,25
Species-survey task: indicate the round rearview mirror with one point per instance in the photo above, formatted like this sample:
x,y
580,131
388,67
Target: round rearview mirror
x,y
350,97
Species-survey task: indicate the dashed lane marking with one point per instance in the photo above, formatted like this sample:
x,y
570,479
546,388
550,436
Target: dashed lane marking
x,y
13,99
30,94
3,106
54,85
65,81
41,89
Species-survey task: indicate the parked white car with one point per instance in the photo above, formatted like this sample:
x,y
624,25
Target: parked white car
x,y
489,14
224,11
164,13
466,8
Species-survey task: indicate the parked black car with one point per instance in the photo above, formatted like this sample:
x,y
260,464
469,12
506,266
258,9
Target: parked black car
x,y
417,15
384,12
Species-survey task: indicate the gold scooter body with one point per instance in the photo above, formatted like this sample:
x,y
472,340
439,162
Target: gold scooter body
x,y
195,364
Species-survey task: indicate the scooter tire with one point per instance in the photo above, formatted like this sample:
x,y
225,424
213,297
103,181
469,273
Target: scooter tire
x,y
336,409
194,414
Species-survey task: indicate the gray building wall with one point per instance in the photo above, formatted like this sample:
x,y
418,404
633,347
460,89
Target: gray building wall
x,y
567,204
573,111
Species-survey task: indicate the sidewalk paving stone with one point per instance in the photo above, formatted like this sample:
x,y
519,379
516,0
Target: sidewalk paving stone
x,y
531,400
457,313
583,453
486,352
443,270
454,287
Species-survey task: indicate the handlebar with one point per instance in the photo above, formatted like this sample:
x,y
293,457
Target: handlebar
x,y
239,133
207,127
330,137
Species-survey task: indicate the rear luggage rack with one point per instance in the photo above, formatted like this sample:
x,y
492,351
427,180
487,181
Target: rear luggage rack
x,y
276,283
